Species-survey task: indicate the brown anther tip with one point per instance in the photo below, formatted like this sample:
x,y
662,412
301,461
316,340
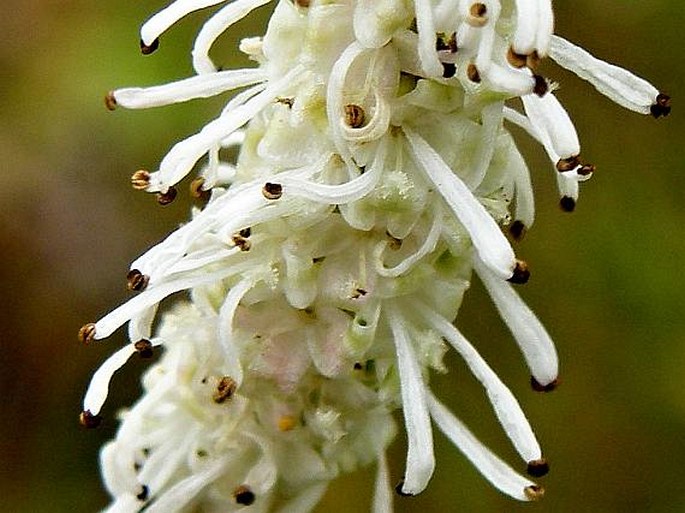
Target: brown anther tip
x,y
517,60
478,14
449,69
586,169
241,242
148,49
539,387
243,495
164,198
87,333
398,490
140,180
541,86
224,389
196,190
144,348
567,204
110,101
355,117
521,273
662,106
302,3
534,492
538,468
136,281
88,420
272,191
517,230
533,59
473,74
143,494
568,164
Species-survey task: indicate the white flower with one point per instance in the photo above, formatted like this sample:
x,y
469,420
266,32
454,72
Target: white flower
x,y
330,260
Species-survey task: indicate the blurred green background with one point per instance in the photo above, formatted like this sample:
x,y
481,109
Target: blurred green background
x,y
608,279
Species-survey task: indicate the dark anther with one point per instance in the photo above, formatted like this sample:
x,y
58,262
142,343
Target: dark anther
x,y
136,281
144,493
517,60
662,106
144,348
303,3
272,191
538,468
224,389
568,164
241,242
541,85
87,333
472,73
164,198
88,420
110,101
400,492
148,49
355,116
539,387
449,69
534,492
521,273
517,230
567,204
140,180
478,9
586,169
245,232
243,495
197,191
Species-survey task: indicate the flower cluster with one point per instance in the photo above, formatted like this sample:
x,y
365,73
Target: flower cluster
x,y
328,263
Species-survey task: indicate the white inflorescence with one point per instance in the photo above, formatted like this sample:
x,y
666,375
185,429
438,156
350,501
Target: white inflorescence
x,y
329,262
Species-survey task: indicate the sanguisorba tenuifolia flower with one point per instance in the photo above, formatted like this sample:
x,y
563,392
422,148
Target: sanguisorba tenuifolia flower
x,y
328,263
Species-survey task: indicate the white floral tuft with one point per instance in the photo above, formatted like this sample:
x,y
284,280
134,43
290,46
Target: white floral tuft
x,y
328,263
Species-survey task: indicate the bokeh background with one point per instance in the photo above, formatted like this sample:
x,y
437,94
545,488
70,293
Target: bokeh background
x,y
608,279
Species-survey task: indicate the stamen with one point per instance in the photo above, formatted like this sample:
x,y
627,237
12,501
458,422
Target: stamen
x,y
477,15
224,389
244,495
136,281
568,164
662,106
534,492
272,191
541,85
517,60
473,74
87,333
140,180
143,494
165,198
241,242
538,387
521,273
586,169
354,116
517,230
88,420
197,192
567,204
110,101
148,49
449,69
144,348
538,468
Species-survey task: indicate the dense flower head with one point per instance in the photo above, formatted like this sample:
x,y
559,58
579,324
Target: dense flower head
x,y
328,263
